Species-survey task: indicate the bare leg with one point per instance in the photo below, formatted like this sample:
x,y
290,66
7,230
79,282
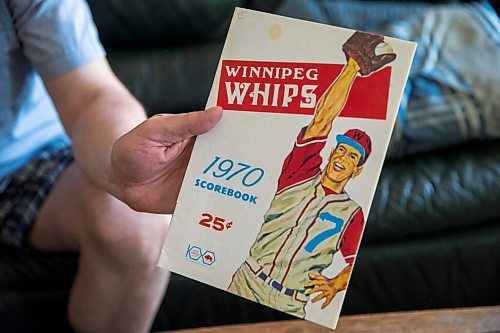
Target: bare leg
x,y
118,287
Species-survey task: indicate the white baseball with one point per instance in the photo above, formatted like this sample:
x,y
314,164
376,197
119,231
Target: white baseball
x,y
383,48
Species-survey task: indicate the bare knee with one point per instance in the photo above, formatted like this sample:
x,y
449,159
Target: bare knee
x,y
79,216
113,229
127,235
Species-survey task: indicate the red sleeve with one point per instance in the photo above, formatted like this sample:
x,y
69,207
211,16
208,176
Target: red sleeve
x,y
351,237
303,162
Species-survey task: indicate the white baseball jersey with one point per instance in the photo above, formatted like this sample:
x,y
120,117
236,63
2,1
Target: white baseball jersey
x,y
306,223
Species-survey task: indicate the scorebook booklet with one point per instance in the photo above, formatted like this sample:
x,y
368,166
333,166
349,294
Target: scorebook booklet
x,y
275,197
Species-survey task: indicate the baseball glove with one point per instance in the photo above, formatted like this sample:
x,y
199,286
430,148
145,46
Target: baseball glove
x,y
361,47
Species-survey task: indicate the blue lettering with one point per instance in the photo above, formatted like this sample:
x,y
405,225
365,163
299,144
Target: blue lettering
x,y
225,191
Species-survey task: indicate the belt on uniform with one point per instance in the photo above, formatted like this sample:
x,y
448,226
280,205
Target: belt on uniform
x,y
256,269
275,284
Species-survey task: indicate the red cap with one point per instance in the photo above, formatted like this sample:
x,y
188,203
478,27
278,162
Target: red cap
x,y
359,140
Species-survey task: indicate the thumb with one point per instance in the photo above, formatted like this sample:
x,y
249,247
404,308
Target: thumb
x,y
174,128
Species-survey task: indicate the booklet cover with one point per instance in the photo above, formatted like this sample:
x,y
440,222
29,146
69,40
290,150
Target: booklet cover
x,y
275,197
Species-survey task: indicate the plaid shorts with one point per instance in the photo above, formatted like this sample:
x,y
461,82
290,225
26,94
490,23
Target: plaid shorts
x,y
23,192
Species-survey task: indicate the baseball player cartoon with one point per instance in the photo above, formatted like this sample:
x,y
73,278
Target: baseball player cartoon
x,y
311,217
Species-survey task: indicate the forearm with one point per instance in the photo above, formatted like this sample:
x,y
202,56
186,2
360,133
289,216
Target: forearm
x,y
332,102
109,115
141,162
95,109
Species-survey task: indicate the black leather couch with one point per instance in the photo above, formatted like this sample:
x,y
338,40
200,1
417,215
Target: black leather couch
x,y
431,241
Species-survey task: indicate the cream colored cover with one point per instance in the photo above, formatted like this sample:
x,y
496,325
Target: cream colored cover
x,y
275,197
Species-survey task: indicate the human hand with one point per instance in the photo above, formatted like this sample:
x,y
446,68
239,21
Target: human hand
x,y
148,163
361,47
326,287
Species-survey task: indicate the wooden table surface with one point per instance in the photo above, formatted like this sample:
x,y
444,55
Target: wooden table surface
x,y
473,320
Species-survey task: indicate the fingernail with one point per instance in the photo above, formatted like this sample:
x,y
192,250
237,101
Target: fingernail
x,y
215,108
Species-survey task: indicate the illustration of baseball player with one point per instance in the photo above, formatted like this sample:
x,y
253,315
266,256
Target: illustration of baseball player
x,y
311,217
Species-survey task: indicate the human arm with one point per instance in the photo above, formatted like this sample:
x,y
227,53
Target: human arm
x,y
143,168
140,161
303,162
332,102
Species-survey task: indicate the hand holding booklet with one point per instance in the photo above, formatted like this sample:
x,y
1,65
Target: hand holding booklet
x,y
275,198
